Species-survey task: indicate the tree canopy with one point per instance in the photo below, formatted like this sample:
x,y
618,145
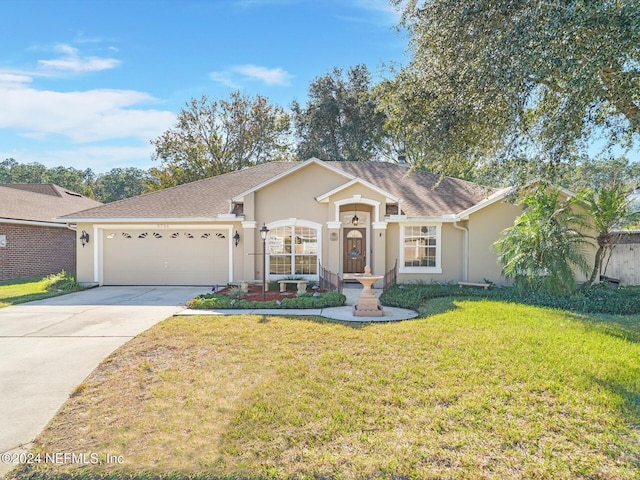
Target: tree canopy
x,y
214,137
494,79
116,184
341,120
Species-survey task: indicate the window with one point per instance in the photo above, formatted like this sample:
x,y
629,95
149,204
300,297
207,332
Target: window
x,y
420,248
293,250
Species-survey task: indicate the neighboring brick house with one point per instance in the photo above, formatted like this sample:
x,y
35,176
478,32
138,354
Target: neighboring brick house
x,y
32,241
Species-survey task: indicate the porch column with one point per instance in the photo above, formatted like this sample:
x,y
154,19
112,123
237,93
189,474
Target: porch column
x,y
332,260
379,246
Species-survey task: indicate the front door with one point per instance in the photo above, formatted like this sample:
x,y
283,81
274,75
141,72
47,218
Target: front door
x,y
354,250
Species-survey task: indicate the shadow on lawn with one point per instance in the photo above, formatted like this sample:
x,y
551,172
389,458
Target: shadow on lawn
x,y
630,407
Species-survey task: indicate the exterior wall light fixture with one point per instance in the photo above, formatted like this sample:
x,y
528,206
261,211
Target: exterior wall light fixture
x,y
84,238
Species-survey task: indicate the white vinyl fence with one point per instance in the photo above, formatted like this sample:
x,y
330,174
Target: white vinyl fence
x,y
625,263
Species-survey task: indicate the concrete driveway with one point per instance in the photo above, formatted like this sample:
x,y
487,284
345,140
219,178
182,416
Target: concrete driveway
x,y
48,347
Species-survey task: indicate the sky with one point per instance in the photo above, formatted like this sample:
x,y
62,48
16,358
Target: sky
x,y
89,83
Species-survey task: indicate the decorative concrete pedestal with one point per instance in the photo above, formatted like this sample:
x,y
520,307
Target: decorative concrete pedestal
x,y
367,302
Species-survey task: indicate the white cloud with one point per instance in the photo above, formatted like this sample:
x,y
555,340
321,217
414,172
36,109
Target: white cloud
x,y
269,76
82,116
72,62
224,77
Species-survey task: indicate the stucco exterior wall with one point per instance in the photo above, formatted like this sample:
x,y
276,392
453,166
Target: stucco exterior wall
x,y
33,251
84,255
294,196
484,229
450,251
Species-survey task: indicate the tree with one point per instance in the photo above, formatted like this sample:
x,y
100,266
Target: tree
x,y
609,209
79,181
545,246
119,183
13,172
215,137
340,120
493,79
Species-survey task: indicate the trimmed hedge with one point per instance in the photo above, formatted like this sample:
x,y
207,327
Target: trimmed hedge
x,y
307,300
597,299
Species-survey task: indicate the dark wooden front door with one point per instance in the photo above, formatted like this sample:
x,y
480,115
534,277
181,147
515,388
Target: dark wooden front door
x,y
354,250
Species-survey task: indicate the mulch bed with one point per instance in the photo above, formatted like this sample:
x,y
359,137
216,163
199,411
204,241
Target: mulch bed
x,y
254,293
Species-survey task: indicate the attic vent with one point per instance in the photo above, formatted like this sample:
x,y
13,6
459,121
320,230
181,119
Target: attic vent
x,y
391,210
238,209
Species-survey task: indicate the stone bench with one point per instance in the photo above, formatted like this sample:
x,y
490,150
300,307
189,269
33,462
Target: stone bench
x,y
300,284
474,284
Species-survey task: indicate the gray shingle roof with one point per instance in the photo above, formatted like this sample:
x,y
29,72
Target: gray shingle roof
x,y
40,202
422,194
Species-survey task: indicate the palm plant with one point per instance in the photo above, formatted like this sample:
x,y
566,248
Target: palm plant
x,y
545,246
609,210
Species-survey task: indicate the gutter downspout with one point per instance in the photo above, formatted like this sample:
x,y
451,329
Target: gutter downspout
x,y
465,251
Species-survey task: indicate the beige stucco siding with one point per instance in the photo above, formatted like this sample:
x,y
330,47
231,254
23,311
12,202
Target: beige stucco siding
x,y
84,255
294,196
450,253
485,226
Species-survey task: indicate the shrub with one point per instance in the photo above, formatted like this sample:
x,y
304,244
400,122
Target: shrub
x,y
218,301
236,293
597,299
62,281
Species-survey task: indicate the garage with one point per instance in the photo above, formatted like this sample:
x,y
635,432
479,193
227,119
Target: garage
x,y
165,256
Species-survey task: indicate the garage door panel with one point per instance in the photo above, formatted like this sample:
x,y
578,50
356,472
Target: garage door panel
x,y
167,257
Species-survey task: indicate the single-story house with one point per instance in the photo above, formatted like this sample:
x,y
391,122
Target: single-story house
x,y
341,215
32,241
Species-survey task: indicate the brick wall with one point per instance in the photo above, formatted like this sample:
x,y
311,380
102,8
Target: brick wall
x,y
32,251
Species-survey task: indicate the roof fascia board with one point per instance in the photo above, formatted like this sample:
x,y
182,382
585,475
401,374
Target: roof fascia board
x,y
301,165
34,223
405,219
325,196
110,226
147,220
499,195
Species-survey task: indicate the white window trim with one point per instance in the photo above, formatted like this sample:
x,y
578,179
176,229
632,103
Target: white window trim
x,y
294,222
438,268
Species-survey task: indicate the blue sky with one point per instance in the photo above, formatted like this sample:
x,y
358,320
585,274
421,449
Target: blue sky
x,y
88,83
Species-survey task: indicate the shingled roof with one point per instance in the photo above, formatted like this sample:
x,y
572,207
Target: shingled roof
x,y
422,194
40,202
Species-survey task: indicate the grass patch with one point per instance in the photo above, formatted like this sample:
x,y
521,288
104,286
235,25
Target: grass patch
x,y
484,389
24,290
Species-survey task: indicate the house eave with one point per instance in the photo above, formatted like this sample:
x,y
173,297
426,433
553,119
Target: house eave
x,y
390,198
161,220
35,223
449,218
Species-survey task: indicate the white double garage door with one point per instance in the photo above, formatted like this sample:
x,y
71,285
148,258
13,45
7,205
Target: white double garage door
x,y
166,256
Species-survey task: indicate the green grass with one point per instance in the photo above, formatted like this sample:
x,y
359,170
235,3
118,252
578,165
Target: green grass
x,y
479,389
24,290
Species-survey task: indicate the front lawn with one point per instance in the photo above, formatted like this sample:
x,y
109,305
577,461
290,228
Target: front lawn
x,y
485,389
24,290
